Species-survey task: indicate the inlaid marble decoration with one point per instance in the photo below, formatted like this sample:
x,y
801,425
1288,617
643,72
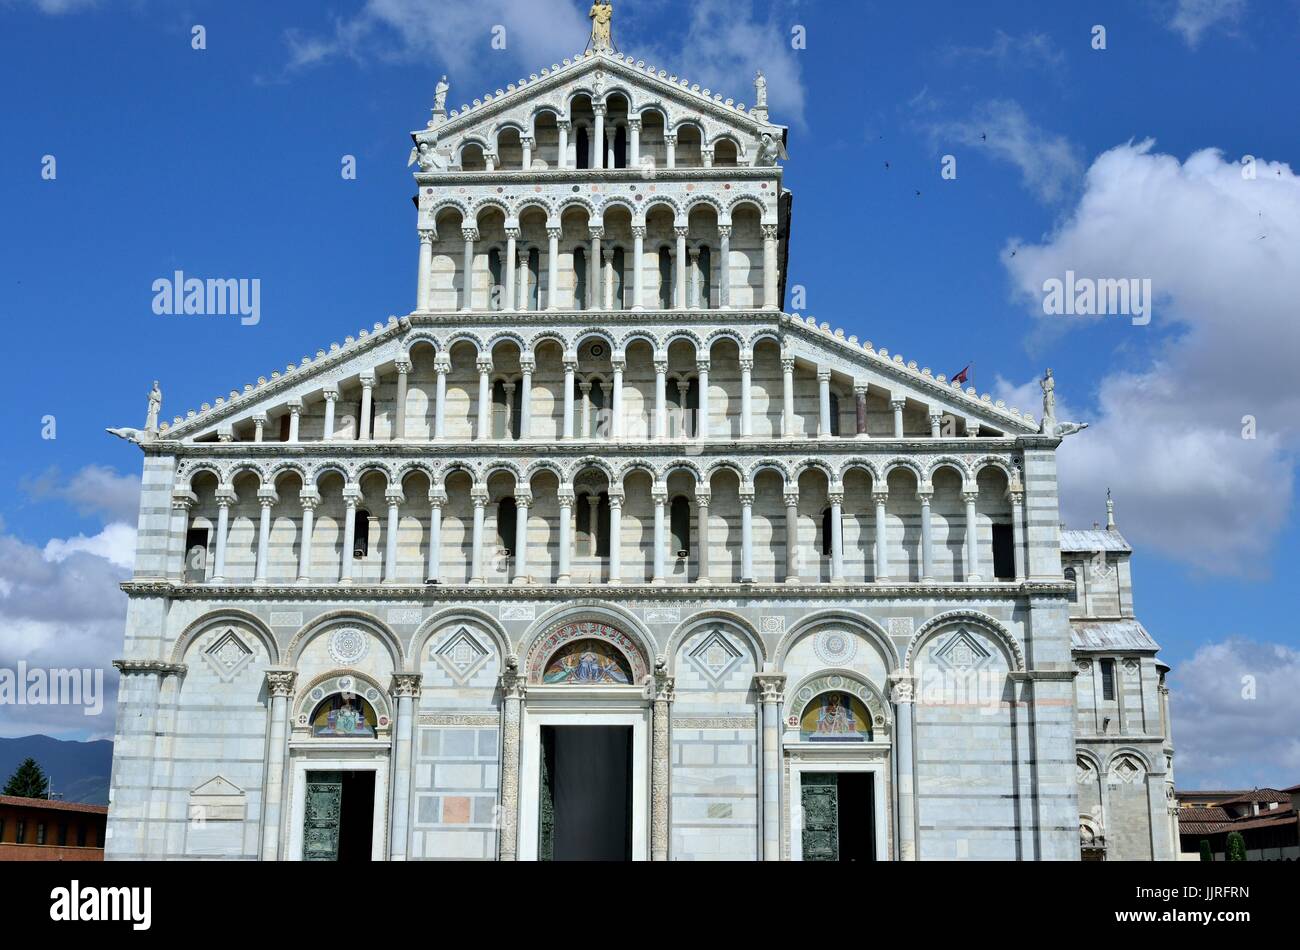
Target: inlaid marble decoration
x,y
348,646
228,655
461,655
835,647
715,657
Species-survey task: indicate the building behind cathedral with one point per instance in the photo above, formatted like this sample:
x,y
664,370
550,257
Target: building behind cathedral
x,y
598,553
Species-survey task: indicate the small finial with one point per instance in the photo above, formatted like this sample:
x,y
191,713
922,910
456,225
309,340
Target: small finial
x,y
1110,512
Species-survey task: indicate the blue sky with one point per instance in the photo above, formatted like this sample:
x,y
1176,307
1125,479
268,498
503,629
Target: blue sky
x,y
226,162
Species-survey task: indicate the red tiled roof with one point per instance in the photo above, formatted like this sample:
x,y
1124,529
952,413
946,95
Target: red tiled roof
x,y
46,804
1261,795
1202,813
1204,825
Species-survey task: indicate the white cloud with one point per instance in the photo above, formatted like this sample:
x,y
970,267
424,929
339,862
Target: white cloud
x,y
1167,429
58,7
115,544
1192,18
95,489
1026,49
1234,707
1049,164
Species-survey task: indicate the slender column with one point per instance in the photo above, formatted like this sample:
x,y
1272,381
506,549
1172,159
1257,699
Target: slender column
x,y
860,409
787,395
660,754
746,535
679,269
616,398
351,496
593,522
927,534
882,554
513,690
509,426
724,266
508,266
225,498
441,366
553,269
661,399
792,536
523,279
399,413
936,424
634,142
769,267
394,497
309,498
426,269
638,255
570,367
746,399
585,415
479,497
824,403
406,690
484,365
683,389
659,494
183,502
259,425
566,500
595,299
331,396
615,537
611,133
437,498
490,159
607,282
523,501
467,291
702,499
670,140
692,264
526,366
598,128
902,696
1018,531
295,417
972,537
563,160
527,142
836,497
367,400
769,687
702,423
279,686
706,157
897,405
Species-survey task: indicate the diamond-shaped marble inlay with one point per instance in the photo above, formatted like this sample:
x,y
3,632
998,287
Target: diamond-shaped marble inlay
x,y
461,655
1126,771
715,657
962,652
228,655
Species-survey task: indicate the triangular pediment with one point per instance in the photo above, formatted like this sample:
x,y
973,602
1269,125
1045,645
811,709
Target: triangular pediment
x,y
218,785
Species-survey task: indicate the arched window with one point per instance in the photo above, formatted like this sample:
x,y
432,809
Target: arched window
x,y
495,292
665,279
506,525
680,523
582,146
835,414
704,277
580,272
1072,579
344,715
835,717
826,532
361,533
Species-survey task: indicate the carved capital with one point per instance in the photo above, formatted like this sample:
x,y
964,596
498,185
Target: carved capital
x,y
770,686
279,682
406,686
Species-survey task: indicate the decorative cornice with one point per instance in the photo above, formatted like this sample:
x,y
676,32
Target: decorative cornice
x,y
151,667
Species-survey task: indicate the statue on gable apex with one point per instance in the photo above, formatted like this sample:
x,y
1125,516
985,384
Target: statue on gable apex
x,y
440,95
600,15
760,89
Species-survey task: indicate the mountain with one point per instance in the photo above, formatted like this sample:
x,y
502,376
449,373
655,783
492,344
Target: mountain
x,y
78,771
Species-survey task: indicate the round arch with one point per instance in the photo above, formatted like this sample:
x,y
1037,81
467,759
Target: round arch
x,y
986,624
334,618
584,619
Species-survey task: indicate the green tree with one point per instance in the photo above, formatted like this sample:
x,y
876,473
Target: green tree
x,y
28,781
1207,854
1236,846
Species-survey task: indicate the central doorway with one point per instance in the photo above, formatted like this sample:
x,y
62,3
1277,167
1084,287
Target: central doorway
x,y
838,816
585,793
338,816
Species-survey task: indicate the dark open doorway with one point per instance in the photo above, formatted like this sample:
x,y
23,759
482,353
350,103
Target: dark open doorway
x,y
586,793
838,816
339,815
356,820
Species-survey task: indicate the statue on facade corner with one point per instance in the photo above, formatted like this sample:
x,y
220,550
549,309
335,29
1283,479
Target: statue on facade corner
x,y
600,15
769,149
440,95
760,89
155,406
1048,385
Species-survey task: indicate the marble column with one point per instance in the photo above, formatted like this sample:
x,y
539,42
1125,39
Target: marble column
x,y
367,404
724,266
882,550
279,687
660,759
331,397
616,398
607,282
661,399
513,690
295,417
467,268
598,129
509,410
309,499
484,427
441,366
897,405
836,497
860,410
659,494
824,403
426,269
508,265
523,280
553,269
259,423
593,524
479,497
702,421
526,142
679,269
570,367
936,424
566,500
437,498
693,278
399,410
616,537
584,416
746,534
902,697
702,499
634,142
351,497
638,256
670,142
787,397
746,398
769,267
526,367
225,498
972,537
926,494
1018,531
406,691
562,161
595,299
791,499
266,497
183,502
394,497
769,687
523,501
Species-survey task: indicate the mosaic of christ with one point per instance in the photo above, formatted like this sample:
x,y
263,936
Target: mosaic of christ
x,y
588,662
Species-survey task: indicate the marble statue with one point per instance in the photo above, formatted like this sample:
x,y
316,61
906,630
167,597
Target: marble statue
x,y
1048,385
760,89
440,95
768,150
155,406
600,15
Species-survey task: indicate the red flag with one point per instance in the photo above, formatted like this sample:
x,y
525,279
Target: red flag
x,y
964,375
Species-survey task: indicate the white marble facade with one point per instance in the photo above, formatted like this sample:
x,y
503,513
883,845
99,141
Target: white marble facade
x,y
597,422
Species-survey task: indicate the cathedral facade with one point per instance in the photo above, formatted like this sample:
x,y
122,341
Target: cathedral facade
x,y
599,553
